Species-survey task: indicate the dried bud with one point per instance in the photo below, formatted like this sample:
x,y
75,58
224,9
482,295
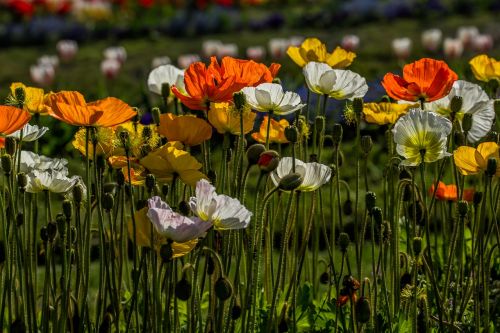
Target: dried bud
x,y
10,145
22,180
254,152
183,289
239,100
108,201
223,288
7,164
268,161
337,133
290,182
292,134
463,208
363,311
467,122
491,166
366,144
417,245
344,241
357,106
67,208
150,182
370,201
456,104
166,252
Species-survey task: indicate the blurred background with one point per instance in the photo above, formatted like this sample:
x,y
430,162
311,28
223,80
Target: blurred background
x,y
108,47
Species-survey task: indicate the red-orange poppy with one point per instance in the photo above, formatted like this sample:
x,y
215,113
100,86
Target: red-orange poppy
x,y
71,108
449,192
12,119
423,80
218,82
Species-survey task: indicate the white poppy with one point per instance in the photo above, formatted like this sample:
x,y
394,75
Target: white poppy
x,y
223,211
48,60
350,42
53,181
431,39
166,74
42,74
336,83
474,101
401,47
67,49
467,35
29,133
256,53
453,48
116,53
314,174
421,137
31,161
172,225
110,68
270,97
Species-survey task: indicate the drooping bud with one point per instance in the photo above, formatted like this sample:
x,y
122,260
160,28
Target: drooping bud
x,y
417,245
456,104
463,208
239,100
254,152
183,289
344,241
337,133
467,122
7,164
292,134
223,288
370,201
363,310
10,145
290,182
491,166
366,144
268,161
347,207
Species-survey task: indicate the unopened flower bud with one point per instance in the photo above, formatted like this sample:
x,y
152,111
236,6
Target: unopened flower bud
x,y
319,123
337,133
19,219
51,231
155,113
347,207
477,198
366,144
459,138
491,166
166,252
164,189
377,215
254,152
184,208
456,104
183,289
239,100
108,201
363,310
120,178
150,182
10,145
417,245
236,309
61,224
467,122
292,133
463,208
78,193
223,288
22,180
344,241
370,200
67,208
268,161
7,164
290,182
165,90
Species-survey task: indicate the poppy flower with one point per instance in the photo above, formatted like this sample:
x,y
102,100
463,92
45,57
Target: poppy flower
x,y
50,180
423,80
485,68
70,107
106,142
147,236
33,100
276,131
270,97
29,133
187,129
12,119
384,113
218,82
142,139
226,119
449,192
314,174
472,161
166,74
312,49
421,137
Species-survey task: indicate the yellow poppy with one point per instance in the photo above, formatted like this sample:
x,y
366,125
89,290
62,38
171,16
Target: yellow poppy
x,y
33,100
106,142
137,175
471,161
188,129
276,131
168,160
142,138
225,118
312,49
119,162
384,113
144,230
485,68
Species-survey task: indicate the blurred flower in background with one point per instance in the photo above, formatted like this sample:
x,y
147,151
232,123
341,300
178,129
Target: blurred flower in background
x,y
401,47
431,39
67,49
350,42
453,48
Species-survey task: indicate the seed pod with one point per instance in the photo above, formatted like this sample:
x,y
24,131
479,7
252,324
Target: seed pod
x,y
239,100
290,182
344,241
223,288
363,310
183,289
370,200
254,152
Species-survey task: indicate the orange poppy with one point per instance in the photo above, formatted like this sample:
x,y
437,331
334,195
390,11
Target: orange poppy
x,y
218,82
449,192
276,131
189,130
71,108
12,119
426,79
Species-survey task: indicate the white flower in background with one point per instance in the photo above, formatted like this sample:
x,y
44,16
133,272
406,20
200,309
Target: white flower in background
x,y
278,46
474,101
48,60
467,35
110,68
314,174
52,181
222,211
336,83
256,53
482,43
67,49
42,75
172,225
431,39
116,52
295,41
401,47
187,59
270,97
29,133
421,136
160,61
350,42
211,47
453,48
167,74
228,50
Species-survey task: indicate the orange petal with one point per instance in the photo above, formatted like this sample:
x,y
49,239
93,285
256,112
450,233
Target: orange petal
x,y
12,119
113,112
